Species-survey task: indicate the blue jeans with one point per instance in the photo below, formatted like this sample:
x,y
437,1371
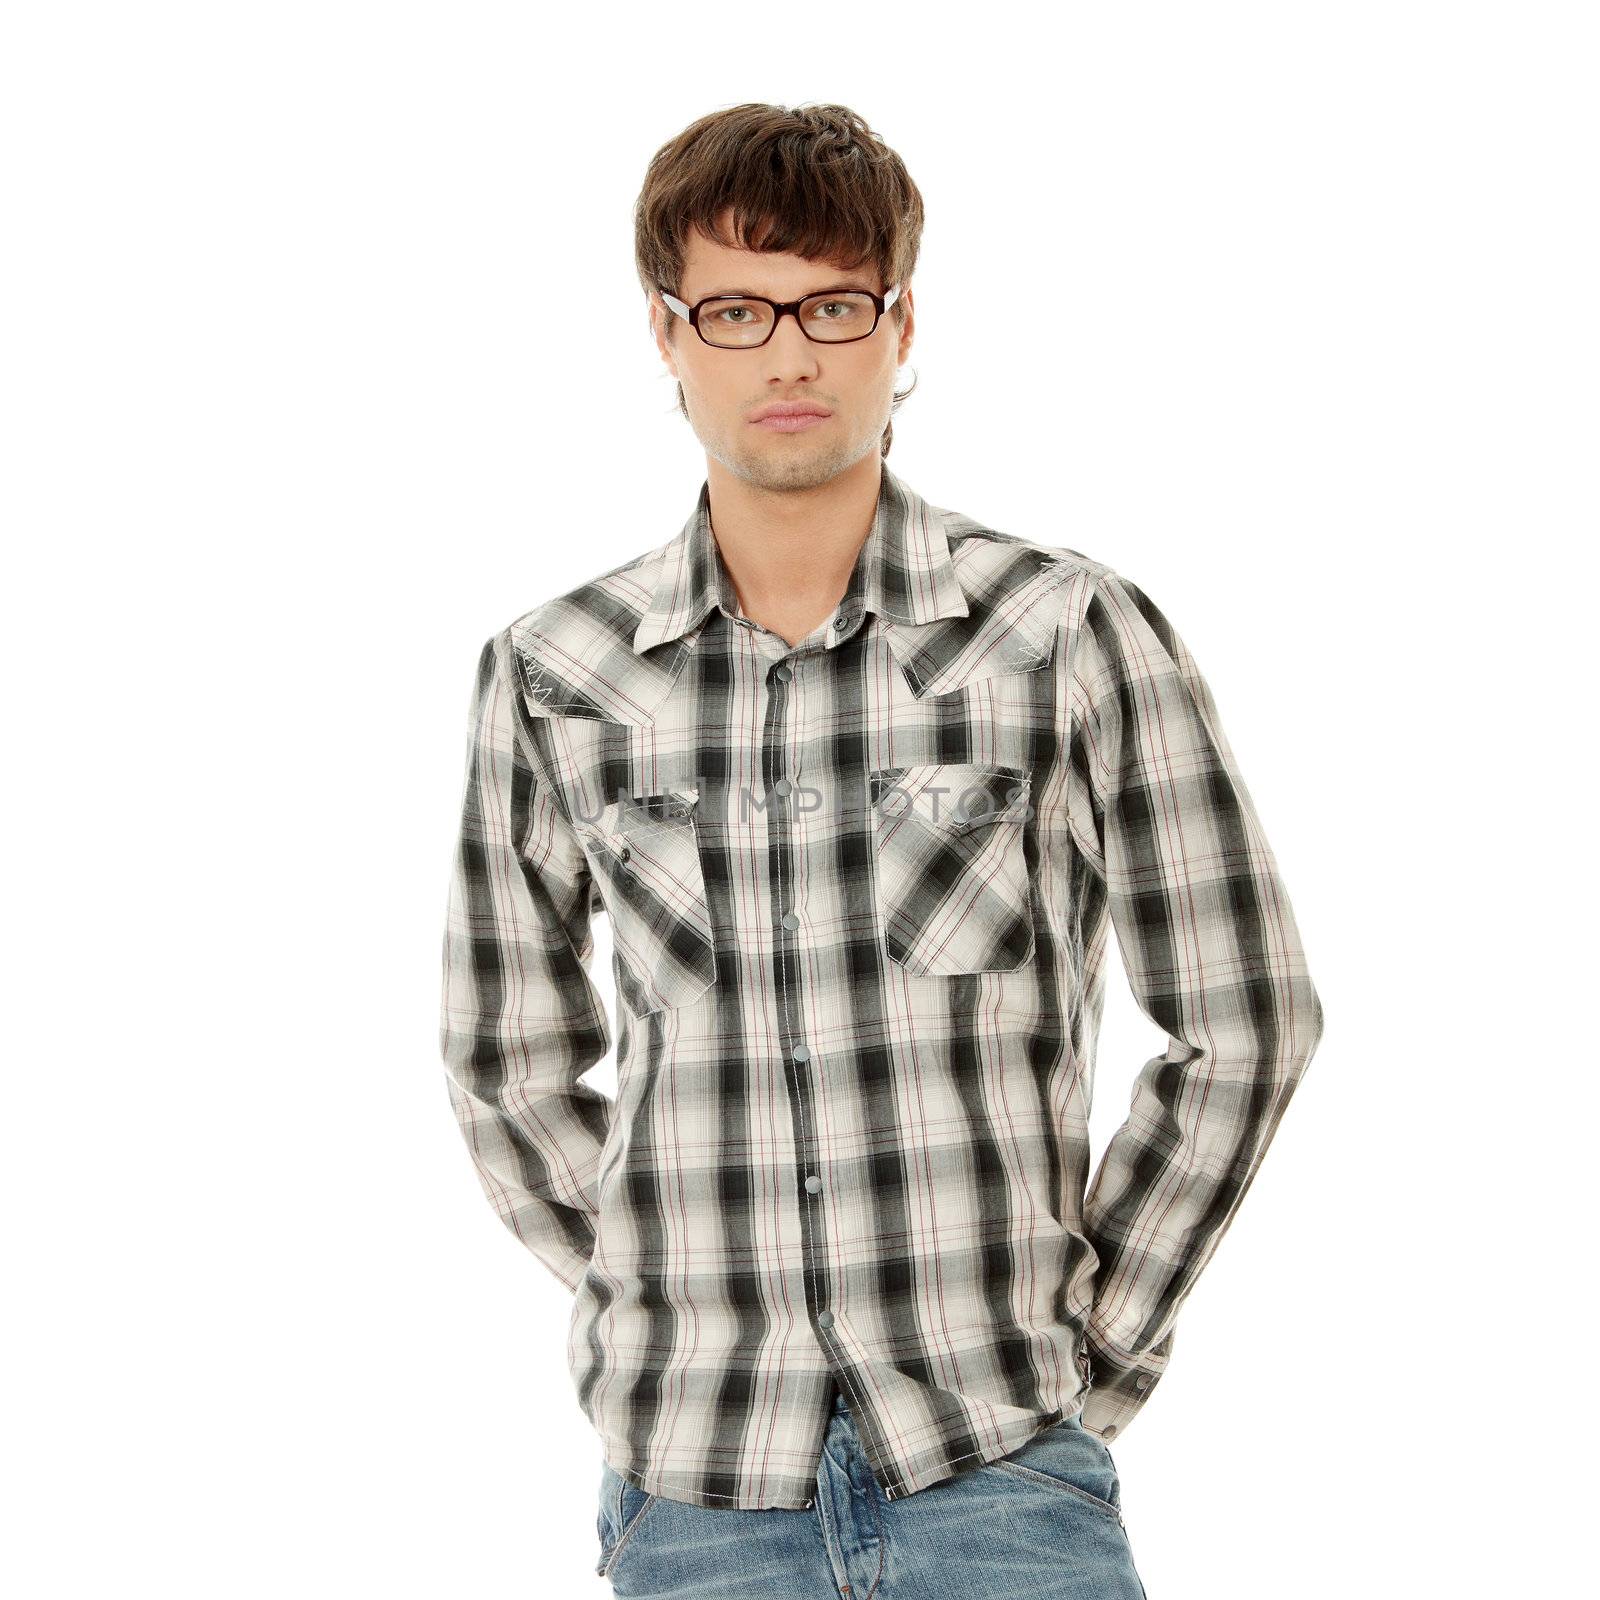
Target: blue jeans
x,y
1045,1521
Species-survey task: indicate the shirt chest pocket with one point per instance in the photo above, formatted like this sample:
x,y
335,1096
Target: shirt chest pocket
x,y
953,891
645,853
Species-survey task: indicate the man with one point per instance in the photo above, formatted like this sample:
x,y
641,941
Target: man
x,y
863,785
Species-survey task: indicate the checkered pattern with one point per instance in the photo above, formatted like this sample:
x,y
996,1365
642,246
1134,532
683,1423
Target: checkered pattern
x,y
860,892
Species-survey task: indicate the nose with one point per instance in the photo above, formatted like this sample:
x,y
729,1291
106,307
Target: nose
x,y
788,351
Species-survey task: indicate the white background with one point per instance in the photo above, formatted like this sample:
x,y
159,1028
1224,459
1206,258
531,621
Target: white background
x,y
1288,312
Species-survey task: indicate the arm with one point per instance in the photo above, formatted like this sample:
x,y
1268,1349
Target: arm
x,y
1213,956
521,1021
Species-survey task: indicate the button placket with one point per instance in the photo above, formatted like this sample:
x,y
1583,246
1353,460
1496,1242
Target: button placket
x,y
781,789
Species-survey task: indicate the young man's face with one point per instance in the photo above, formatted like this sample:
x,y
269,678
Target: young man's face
x,y
722,389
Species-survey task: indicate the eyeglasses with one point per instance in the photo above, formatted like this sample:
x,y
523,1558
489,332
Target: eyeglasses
x,y
747,321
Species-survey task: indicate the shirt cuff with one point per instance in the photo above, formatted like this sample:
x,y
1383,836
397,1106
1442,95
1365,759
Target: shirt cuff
x,y
1116,1392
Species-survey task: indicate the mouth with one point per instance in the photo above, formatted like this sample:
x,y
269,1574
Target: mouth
x,y
790,421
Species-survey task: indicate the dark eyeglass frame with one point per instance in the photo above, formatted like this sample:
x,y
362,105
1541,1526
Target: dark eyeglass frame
x,y
691,314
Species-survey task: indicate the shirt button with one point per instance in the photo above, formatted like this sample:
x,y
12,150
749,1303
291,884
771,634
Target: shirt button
x,y
623,853
813,1184
791,921
782,786
800,1052
1109,1431
824,1319
786,673
1143,1381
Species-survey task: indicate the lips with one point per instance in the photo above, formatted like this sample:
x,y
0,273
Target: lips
x,y
789,422
800,409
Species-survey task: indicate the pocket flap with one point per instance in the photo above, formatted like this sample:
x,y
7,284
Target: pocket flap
x,y
955,796
629,814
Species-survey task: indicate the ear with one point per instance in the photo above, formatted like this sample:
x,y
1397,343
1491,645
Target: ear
x,y
660,322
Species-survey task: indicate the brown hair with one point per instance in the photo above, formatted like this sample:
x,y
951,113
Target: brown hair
x,y
810,180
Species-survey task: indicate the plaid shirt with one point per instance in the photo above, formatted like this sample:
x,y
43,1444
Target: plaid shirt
x,y
859,893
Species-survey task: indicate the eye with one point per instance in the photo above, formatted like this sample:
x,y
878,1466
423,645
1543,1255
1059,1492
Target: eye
x,y
839,309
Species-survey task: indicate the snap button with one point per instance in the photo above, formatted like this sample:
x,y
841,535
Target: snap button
x,y
1143,1381
824,1319
624,853
791,921
801,1053
813,1184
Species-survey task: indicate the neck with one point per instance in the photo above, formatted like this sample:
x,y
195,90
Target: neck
x,y
790,552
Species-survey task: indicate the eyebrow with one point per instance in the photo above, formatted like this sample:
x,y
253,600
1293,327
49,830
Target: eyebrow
x,y
832,288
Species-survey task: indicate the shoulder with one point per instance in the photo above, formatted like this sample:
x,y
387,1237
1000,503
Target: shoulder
x,y
983,546
1054,583
1107,623
573,654
613,598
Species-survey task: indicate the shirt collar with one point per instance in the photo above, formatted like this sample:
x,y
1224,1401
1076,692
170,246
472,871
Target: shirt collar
x,y
903,572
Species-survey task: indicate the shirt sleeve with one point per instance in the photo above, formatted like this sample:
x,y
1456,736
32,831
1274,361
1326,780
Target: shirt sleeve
x,y
521,1020
1214,958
